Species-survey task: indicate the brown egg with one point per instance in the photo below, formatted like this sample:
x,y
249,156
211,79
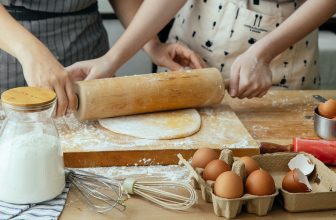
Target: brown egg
x,y
214,169
260,183
328,109
203,156
229,185
250,164
291,183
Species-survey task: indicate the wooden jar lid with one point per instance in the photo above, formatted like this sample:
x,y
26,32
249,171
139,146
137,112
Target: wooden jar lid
x,y
28,96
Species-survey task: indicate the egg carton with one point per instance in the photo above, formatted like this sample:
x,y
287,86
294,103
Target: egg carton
x,y
205,186
322,181
229,208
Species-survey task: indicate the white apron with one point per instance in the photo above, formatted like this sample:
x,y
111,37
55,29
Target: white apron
x,y
221,30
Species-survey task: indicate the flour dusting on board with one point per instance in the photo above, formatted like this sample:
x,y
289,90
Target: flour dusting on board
x,y
86,136
220,127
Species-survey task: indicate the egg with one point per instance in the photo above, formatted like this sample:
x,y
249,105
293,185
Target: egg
x,y
328,109
250,164
260,183
229,185
214,168
203,156
292,184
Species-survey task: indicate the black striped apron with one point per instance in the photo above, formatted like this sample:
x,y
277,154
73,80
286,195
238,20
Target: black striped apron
x,y
70,38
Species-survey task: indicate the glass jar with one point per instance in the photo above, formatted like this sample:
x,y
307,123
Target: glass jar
x,y
31,159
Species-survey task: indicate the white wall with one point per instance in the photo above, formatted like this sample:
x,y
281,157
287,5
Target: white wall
x,y
104,6
327,49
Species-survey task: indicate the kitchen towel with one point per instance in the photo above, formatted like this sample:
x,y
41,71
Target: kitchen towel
x,y
48,210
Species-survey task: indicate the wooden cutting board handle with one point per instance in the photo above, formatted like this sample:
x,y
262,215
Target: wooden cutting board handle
x,y
145,93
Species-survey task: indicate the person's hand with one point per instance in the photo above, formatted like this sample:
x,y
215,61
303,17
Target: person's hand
x,y
250,76
173,56
41,69
98,68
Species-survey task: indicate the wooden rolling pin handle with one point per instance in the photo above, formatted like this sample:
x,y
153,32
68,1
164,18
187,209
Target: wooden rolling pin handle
x,y
136,94
226,86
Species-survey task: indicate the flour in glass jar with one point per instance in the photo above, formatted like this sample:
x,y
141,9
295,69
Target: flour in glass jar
x,y
33,159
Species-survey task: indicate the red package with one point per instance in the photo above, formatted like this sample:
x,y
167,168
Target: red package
x,y
323,150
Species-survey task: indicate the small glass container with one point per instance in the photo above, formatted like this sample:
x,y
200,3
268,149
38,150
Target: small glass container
x,y
31,159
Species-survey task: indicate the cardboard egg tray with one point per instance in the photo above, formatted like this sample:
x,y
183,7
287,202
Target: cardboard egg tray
x,y
322,180
230,208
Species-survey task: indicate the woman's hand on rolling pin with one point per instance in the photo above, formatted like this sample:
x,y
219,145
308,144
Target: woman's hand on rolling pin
x,y
41,69
173,56
251,76
101,67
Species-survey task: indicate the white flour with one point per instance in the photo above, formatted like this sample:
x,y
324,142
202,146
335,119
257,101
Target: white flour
x,y
168,173
31,168
89,136
85,136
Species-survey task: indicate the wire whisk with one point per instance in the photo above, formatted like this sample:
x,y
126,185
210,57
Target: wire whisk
x,y
103,194
153,191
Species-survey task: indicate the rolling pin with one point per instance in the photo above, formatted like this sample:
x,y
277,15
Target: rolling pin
x,y
128,95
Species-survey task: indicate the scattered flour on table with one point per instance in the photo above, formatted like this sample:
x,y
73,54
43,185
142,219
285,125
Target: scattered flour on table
x,y
259,128
169,173
243,143
280,103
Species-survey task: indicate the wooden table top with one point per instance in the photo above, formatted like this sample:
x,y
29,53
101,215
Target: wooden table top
x,y
276,118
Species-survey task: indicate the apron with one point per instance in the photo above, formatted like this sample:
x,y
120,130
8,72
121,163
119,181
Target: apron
x,y
221,30
70,38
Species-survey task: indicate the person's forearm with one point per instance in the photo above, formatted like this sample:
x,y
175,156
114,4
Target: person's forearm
x,y
125,11
15,39
304,20
151,17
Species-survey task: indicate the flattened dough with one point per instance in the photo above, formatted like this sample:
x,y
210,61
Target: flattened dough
x,y
159,125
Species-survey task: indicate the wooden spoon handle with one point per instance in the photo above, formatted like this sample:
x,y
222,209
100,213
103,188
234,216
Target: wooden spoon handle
x,y
266,147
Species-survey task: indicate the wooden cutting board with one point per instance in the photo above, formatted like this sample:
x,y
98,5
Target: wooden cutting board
x,y
90,145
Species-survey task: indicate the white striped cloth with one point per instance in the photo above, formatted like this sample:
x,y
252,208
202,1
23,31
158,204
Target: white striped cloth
x,y
49,210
